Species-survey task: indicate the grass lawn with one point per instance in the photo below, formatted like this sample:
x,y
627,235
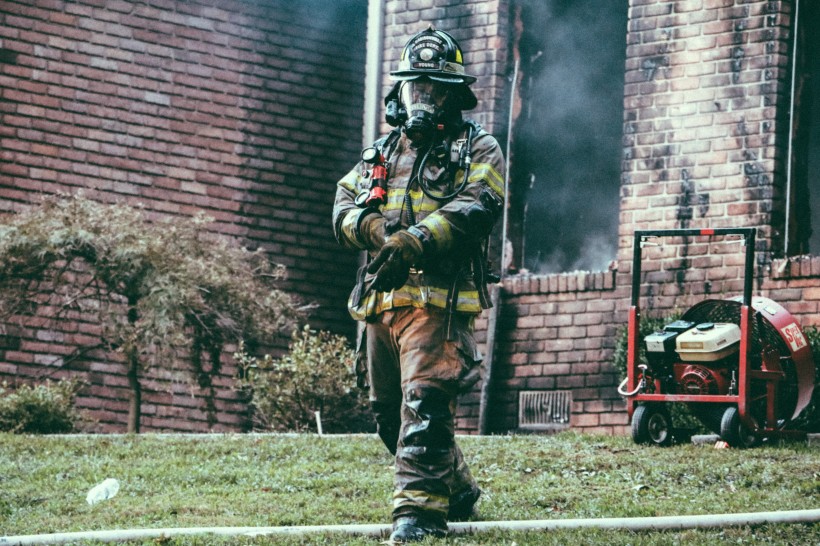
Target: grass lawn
x,y
253,480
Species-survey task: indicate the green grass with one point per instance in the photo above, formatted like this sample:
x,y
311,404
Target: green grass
x,y
249,480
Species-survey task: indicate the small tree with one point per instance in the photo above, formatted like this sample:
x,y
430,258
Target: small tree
x,y
160,290
41,409
316,375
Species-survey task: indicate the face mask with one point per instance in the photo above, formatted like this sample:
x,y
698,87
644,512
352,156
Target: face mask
x,y
424,102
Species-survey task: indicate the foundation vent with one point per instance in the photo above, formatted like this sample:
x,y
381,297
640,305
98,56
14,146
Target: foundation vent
x,y
544,410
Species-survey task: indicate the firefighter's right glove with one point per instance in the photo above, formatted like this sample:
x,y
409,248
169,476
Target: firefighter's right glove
x,y
372,232
393,262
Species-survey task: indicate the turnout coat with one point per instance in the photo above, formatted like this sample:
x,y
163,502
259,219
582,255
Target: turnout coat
x,y
451,274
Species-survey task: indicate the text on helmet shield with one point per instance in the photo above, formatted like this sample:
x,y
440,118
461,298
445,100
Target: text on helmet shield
x,y
424,107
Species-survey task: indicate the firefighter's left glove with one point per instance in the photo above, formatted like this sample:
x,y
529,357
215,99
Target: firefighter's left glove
x,y
393,262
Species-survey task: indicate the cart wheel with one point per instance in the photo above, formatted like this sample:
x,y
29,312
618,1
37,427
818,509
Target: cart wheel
x,y
734,432
651,424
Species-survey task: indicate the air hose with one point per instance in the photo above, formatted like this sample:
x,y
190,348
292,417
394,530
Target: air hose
x,y
641,384
464,162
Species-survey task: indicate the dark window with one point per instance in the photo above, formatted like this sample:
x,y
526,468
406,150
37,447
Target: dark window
x,y
566,145
803,235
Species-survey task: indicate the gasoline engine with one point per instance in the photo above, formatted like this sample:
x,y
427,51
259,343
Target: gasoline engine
x,y
743,365
695,358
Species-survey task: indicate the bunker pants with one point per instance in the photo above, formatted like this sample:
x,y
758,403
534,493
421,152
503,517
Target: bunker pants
x,y
415,375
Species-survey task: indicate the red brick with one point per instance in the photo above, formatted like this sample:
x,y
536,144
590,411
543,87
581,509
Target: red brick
x,y
585,420
611,418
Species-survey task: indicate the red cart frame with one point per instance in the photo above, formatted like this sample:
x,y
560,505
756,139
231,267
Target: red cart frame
x,y
771,375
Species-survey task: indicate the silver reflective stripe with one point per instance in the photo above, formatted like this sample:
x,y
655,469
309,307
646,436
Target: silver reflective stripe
x,y
349,231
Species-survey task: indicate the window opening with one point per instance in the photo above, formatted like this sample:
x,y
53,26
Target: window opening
x,y
803,184
566,145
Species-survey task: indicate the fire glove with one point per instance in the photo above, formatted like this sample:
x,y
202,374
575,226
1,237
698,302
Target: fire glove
x,y
372,232
393,262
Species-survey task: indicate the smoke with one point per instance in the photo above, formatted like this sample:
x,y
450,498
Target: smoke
x,y
566,158
595,255
813,159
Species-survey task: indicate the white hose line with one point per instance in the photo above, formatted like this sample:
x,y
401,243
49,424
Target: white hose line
x,y
381,530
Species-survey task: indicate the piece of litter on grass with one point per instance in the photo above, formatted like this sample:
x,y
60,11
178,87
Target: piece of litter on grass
x,y
102,491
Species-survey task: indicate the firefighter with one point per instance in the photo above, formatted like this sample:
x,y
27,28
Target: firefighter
x,y
422,203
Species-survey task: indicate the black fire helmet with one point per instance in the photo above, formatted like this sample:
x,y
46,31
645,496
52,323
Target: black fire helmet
x,y
436,55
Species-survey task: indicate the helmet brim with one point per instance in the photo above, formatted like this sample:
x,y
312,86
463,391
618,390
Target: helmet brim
x,y
436,75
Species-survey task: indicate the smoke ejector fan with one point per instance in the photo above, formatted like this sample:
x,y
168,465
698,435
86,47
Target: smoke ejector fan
x,y
742,365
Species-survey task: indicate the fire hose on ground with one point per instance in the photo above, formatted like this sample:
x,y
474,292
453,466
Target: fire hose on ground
x,y
662,523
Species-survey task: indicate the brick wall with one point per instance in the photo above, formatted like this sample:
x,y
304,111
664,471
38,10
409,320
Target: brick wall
x,y
248,111
704,146
706,135
223,106
706,89
556,333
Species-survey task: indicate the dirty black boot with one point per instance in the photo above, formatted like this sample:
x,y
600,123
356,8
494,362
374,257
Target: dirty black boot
x,y
414,529
462,504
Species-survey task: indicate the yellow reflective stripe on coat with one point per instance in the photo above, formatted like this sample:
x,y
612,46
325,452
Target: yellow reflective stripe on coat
x,y
395,201
351,181
467,299
413,296
485,171
439,227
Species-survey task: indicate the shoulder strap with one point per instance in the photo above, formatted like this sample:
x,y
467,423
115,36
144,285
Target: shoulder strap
x,y
387,143
476,126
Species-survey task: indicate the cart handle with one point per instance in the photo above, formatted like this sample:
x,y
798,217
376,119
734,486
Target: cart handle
x,y
641,235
